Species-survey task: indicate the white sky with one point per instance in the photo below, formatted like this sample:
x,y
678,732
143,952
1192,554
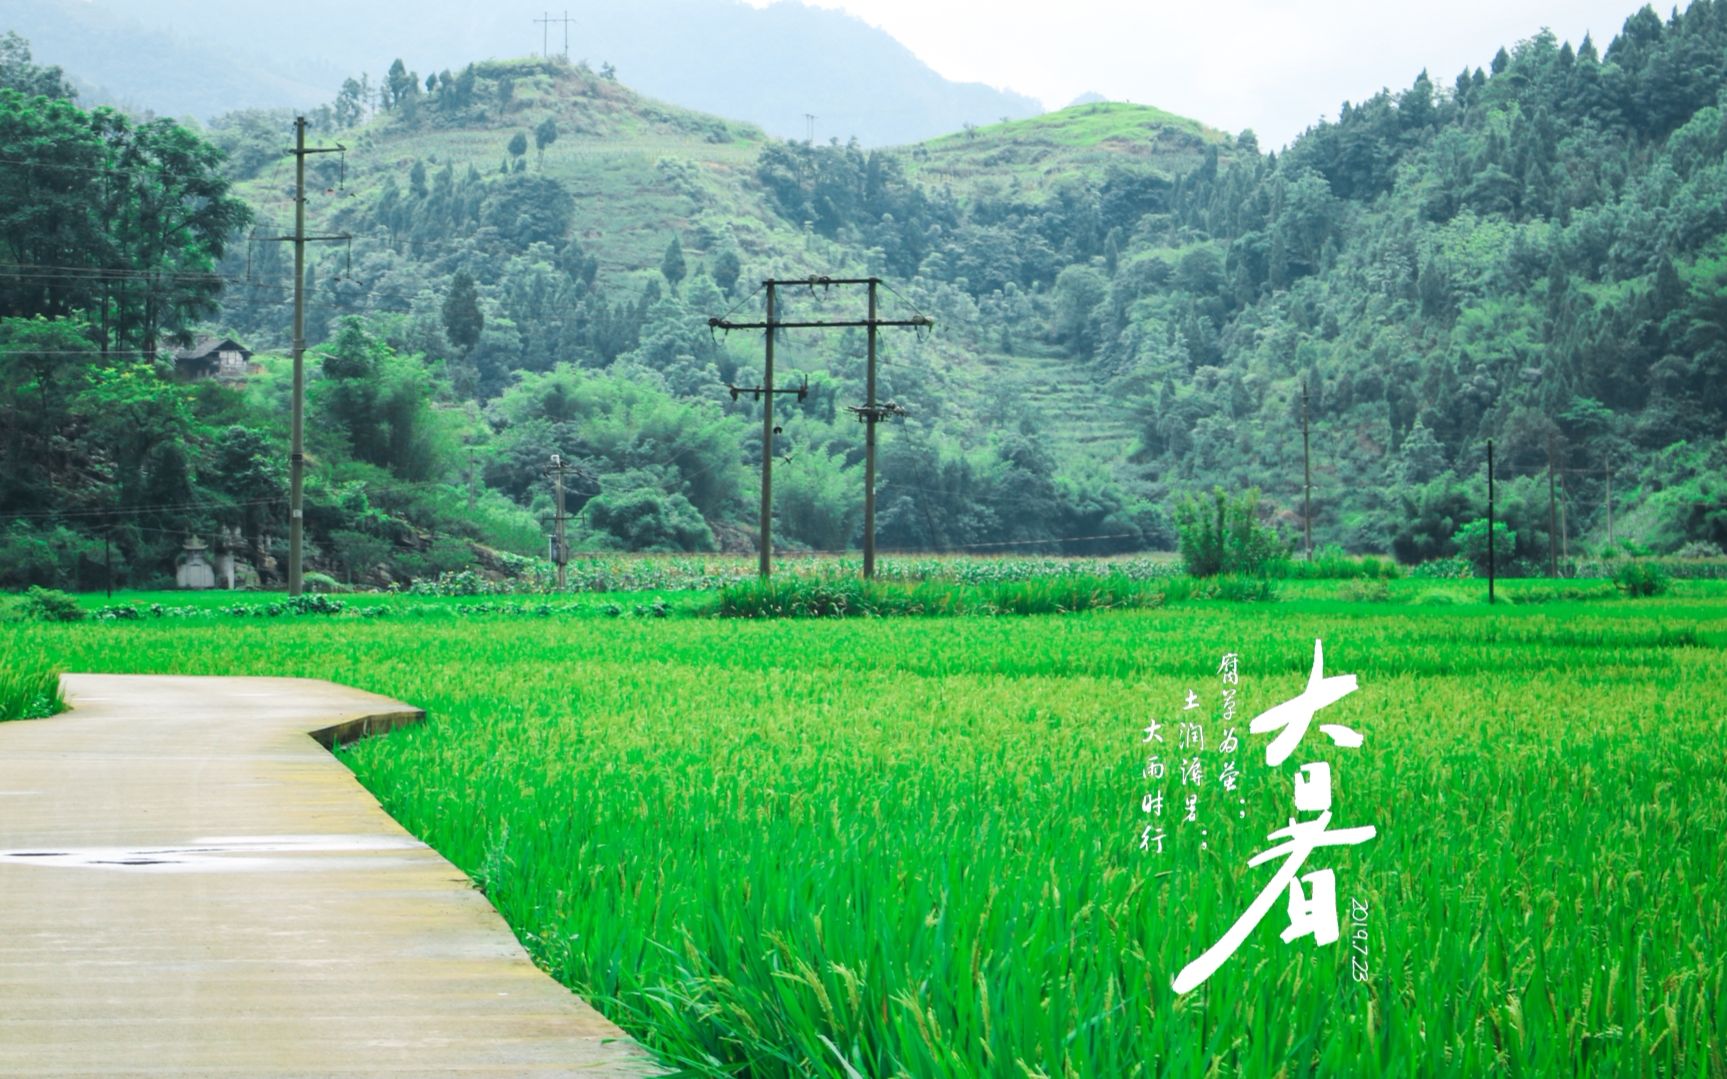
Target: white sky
x,y
1273,65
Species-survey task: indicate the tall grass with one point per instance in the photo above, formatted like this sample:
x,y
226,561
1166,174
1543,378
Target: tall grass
x,y
909,847
28,689
808,597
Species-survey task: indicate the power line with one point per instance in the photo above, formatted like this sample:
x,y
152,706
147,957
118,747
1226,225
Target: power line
x,y
122,510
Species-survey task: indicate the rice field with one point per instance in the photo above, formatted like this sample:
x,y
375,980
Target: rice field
x,y
912,846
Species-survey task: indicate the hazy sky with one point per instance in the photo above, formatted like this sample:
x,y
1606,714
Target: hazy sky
x,y
1273,65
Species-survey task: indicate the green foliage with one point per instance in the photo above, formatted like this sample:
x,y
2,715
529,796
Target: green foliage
x,y
1471,544
19,72
463,320
959,785
319,585
29,689
672,264
1223,534
149,197
49,605
1640,578
639,516
816,597
379,402
1444,569
544,135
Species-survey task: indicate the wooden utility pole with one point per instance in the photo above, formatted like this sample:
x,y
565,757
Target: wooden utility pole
x,y
1552,514
561,554
297,447
870,418
766,521
1492,564
1608,469
1565,530
1306,478
870,413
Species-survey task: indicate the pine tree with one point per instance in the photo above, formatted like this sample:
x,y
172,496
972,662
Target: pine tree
x,y
462,318
673,266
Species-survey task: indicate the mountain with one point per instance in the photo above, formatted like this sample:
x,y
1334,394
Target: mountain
x,y
771,66
1128,306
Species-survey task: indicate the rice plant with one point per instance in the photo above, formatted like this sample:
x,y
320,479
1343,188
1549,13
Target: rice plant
x,y
911,846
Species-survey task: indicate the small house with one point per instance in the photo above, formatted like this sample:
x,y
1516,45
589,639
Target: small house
x,y
213,357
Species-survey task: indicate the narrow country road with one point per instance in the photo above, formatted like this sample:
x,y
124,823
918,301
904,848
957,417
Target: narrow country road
x,y
191,885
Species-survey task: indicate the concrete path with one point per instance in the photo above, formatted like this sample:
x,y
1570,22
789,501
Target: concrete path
x,y
190,885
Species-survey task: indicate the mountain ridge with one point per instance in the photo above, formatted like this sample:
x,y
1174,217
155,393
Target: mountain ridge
x,y
856,80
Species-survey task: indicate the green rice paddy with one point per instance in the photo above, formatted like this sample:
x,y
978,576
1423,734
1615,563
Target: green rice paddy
x,y
911,846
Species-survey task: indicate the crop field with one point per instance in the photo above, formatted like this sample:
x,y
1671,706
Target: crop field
x,y
912,846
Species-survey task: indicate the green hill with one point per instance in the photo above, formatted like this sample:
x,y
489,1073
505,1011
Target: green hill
x,y
1081,142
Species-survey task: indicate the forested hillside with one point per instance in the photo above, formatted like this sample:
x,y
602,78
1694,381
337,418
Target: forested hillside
x,y
1127,306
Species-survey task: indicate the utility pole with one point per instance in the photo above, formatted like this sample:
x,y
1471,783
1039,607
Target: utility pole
x,y
765,394
870,413
1565,529
1608,469
1552,514
297,448
546,33
766,521
1306,478
809,127
561,555
1492,565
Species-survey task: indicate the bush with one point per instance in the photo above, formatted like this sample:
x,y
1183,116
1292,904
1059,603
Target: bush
x,y
648,519
1219,534
1471,541
1444,569
1698,549
320,582
1640,578
1366,591
50,605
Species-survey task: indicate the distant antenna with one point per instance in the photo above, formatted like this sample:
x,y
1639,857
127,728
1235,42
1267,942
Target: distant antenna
x,y
809,127
546,22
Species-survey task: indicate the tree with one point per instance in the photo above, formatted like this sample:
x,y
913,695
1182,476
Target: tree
x,y
544,136
18,72
350,106
1223,534
1471,541
400,85
463,320
672,266
518,145
727,268
642,517
148,197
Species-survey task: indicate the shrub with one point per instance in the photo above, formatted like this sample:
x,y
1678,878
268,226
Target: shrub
x,y
1373,591
320,582
1639,578
1471,541
1444,569
1219,534
50,605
